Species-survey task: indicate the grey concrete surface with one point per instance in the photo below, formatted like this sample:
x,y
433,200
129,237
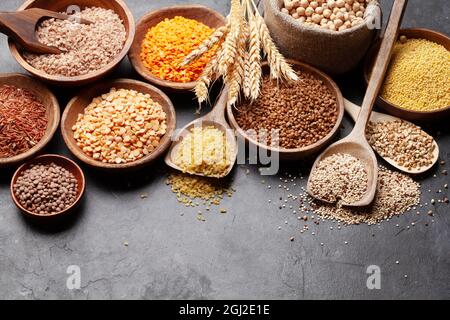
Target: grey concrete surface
x,y
237,255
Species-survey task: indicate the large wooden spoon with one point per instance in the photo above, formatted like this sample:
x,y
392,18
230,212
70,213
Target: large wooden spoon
x,y
21,26
356,143
216,118
376,117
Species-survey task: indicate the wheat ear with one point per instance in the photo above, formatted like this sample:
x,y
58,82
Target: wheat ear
x,y
205,79
279,68
215,38
255,72
238,76
230,43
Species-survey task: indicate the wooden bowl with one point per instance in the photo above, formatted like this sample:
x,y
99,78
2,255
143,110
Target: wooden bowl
x,y
118,6
53,114
60,161
203,14
397,110
79,103
298,153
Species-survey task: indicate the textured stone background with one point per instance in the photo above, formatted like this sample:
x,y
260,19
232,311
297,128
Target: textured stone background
x,y
239,255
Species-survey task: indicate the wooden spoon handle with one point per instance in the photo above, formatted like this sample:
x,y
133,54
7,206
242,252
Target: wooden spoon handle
x,y
218,112
381,65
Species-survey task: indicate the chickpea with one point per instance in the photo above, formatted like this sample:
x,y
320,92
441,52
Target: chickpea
x,y
340,3
285,11
327,13
338,23
313,4
301,11
309,11
319,10
316,18
304,3
295,15
331,4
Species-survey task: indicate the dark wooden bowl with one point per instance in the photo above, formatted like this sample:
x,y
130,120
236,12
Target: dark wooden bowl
x,y
203,14
53,114
298,153
397,110
60,161
79,103
118,6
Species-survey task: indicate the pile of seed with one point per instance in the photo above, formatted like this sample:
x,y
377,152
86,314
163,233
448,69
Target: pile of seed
x,y
340,178
290,115
46,189
23,121
121,126
204,150
336,15
418,76
193,191
396,194
403,142
85,47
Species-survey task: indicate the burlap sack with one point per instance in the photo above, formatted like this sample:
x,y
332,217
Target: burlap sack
x,y
333,52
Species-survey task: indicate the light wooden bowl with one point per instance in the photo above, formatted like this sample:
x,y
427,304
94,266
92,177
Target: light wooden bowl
x,y
203,14
60,161
53,114
79,103
397,110
118,6
298,153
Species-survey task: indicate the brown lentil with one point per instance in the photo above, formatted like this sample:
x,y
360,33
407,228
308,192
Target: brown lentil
x,y
46,189
403,142
302,112
340,178
85,47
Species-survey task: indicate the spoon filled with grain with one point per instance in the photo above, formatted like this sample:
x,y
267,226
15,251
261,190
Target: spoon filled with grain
x,y
207,146
400,143
347,172
21,26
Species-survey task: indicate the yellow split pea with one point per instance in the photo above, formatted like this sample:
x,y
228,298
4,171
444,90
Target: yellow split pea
x,y
121,126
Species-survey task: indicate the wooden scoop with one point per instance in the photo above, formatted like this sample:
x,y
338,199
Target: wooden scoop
x,y
353,110
215,118
356,143
21,26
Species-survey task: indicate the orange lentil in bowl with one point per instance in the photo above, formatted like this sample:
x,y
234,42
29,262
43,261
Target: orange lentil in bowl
x,y
167,44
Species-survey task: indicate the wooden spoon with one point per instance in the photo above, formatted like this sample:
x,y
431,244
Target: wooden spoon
x,y
353,110
21,26
215,118
356,143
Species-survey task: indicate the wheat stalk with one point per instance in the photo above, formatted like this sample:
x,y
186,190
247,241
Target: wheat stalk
x,y
215,38
255,74
279,68
230,44
238,74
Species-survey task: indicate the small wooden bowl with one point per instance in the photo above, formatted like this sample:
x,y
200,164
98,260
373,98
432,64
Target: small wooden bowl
x,y
298,153
60,161
118,6
79,103
53,114
203,14
397,110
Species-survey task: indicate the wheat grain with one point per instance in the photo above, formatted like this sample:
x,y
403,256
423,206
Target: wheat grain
x,y
246,87
215,38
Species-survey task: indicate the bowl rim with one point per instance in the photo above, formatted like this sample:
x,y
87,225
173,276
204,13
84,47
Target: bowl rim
x,y
134,52
369,61
159,151
36,160
340,109
46,139
81,78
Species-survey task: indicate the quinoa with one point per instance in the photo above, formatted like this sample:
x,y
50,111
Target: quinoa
x,y
405,143
397,193
85,48
340,178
